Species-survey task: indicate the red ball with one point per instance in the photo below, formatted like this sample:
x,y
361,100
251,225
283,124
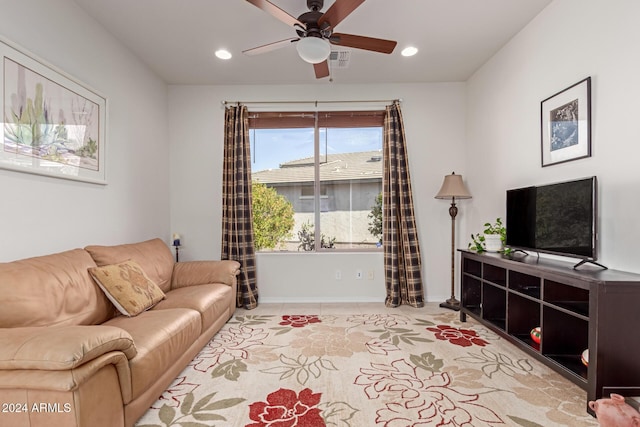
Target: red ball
x,y
536,334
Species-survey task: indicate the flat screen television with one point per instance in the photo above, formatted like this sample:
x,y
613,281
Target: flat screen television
x,y
556,218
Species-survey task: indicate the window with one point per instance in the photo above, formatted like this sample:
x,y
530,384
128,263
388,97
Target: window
x,y
327,167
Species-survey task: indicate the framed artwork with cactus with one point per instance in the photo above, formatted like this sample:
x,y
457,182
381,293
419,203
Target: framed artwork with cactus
x,y
52,124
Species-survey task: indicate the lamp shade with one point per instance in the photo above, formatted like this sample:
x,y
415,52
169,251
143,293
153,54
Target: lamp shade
x,y
314,50
452,186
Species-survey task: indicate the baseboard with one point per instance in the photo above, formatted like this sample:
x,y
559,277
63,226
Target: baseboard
x,y
331,300
319,300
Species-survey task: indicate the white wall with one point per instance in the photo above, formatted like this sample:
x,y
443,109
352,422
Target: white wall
x,y
434,117
568,41
40,215
486,129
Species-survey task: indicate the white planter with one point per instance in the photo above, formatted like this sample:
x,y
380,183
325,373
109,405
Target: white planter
x,y
492,243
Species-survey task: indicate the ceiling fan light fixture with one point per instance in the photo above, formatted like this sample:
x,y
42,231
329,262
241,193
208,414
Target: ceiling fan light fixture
x,y
409,51
223,54
313,50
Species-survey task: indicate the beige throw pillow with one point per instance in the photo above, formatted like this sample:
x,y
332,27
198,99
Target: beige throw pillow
x,y
127,287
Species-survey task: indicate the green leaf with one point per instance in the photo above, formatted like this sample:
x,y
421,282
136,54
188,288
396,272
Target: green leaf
x,y
423,322
208,417
192,424
337,413
427,361
223,404
185,408
406,340
202,402
287,374
314,369
328,365
167,414
400,330
230,370
302,377
523,422
524,365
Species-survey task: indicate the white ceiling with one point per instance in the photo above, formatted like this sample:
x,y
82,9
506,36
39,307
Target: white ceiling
x,y
177,38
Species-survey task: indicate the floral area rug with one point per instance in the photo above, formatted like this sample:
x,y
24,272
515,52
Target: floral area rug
x,y
391,370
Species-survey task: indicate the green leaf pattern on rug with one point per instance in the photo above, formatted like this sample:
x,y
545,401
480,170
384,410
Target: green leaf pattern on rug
x,y
493,363
282,330
338,414
251,320
301,367
390,331
230,370
396,335
423,322
191,413
427,361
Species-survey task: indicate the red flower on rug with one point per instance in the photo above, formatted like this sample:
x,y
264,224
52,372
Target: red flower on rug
x,y
299,320
286,408
461,337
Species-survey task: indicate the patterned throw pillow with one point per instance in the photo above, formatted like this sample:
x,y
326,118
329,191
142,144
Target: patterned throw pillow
x,y
127,287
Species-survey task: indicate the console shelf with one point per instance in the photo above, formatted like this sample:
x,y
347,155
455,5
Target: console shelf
x,y
590,308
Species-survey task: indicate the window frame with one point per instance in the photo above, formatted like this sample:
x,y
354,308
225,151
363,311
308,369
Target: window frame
x,y
319,120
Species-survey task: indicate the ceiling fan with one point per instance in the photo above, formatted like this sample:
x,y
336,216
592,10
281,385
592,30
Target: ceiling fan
x,y
315,33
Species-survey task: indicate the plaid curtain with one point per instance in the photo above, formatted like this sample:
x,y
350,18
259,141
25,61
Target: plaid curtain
x,y
402,263
237,222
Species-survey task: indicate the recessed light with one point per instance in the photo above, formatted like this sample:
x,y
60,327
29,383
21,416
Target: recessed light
x,y
409,51
223,54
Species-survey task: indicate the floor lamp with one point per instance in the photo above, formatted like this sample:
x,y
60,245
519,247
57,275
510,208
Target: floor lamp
x,y
453,188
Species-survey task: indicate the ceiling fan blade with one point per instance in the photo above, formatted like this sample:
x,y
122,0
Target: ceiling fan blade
x,y
269,47
361,42
276,12
321,69
338,11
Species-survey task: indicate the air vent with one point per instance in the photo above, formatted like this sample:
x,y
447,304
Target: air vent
x,y
339,59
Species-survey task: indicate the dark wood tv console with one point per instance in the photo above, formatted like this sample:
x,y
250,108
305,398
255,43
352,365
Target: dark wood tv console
x,y
589,308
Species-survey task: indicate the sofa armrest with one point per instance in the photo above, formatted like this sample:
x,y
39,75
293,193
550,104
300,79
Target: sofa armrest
x,y
60,347
204,272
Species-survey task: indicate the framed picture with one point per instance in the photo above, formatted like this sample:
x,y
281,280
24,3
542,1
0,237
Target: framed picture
x,y
52,124
565,122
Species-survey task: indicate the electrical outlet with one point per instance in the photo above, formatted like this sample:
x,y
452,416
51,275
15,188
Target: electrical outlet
x,y
358,274
370,274
338,275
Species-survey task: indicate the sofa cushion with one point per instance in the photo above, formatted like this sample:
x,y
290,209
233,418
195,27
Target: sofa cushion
x,y
212,301
127,287
154,256
161,337
51,290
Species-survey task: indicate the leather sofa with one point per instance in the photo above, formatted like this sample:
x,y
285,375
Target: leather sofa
x,y
69,358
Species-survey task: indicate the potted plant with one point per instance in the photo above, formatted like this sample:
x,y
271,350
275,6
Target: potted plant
x,y
491,240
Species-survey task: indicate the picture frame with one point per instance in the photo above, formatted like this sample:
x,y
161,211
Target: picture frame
x,y
565,124
52,124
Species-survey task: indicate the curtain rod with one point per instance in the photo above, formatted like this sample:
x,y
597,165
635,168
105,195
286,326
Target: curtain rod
x,y
225,103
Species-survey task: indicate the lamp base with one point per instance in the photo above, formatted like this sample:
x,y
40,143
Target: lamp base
x,y
451,304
